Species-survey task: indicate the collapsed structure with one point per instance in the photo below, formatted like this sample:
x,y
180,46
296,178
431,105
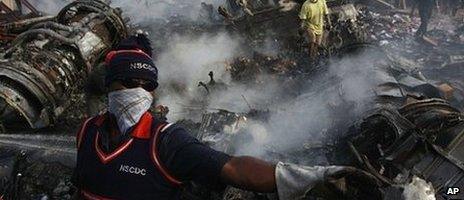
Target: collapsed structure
x,y
422,138
48,63
409,131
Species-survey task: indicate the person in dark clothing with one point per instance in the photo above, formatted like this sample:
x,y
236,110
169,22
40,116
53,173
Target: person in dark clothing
x,y
128,153
425,8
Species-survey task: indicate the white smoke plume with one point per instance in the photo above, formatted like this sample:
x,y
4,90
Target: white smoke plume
x,y
187,60
418,189
305,119
146,10
50,7
140,10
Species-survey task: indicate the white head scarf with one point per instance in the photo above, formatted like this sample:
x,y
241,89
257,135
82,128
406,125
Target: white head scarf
x,y
128,106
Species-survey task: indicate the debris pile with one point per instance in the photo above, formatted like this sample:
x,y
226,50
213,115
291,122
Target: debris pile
x,y
25,176
246,69
420,138
396,32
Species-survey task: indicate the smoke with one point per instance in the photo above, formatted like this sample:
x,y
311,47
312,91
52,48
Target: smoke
x,y
141,11
190,59
187,61
270,46
51,7
343,93
419,189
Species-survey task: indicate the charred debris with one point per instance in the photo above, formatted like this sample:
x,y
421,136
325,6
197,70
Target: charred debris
x,y
412,125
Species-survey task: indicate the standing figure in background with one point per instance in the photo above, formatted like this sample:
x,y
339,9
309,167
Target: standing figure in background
x,y
425,8
312,22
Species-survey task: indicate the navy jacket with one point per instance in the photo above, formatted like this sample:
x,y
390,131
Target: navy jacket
x,y
146,165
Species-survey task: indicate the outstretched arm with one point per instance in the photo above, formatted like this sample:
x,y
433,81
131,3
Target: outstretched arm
x,y
189,160
249,173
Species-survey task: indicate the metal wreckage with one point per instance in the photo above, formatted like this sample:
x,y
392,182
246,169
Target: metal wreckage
x,y
414,127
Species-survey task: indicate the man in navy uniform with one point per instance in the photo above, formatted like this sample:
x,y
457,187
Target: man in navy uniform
x,y
127,153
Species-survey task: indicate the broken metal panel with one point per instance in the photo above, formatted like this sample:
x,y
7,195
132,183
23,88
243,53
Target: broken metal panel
x,y
49,62
403,86
220,128
387,90
402,80
15,98
455,145
440,172
12,29
424,138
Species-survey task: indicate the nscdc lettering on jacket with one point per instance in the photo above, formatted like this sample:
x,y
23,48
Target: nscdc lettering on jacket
x,y
132,170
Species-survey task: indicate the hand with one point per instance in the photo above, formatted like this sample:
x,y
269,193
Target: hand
x,y
327,182
353,183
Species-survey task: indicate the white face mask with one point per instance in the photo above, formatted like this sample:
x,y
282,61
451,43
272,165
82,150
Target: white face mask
x,y
128,106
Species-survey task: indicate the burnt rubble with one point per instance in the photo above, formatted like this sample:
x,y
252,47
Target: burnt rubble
x,y
421,138
28,176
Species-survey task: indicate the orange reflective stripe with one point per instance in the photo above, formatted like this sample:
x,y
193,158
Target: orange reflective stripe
x,y
157,161
90,196
81,132
104,158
